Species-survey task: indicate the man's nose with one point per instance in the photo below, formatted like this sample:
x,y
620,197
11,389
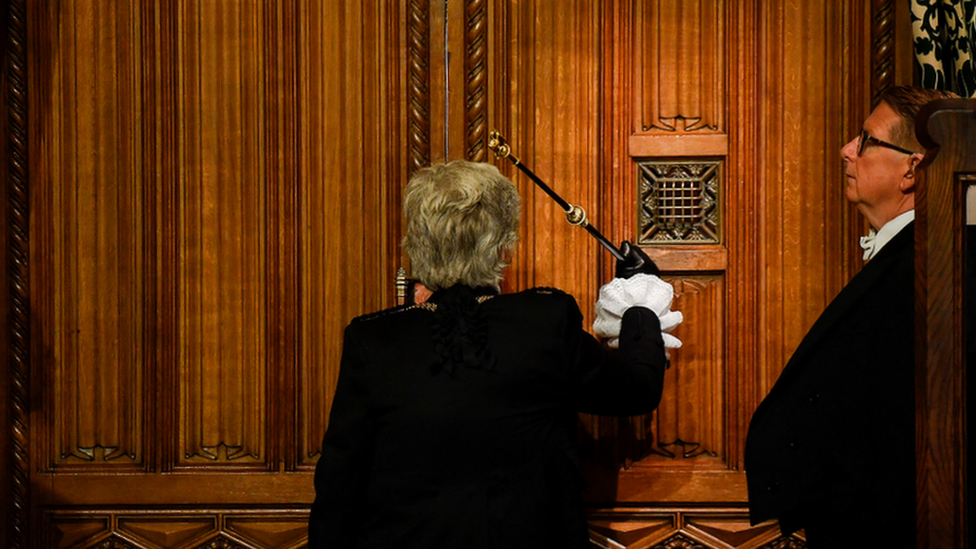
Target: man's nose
x,y
850,149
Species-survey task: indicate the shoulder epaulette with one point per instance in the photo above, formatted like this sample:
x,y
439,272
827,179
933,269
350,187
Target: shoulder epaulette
x,y
545,290
425,306
395,310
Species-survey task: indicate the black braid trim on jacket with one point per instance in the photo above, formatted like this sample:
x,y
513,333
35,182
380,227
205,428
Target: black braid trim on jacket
x,y
460,332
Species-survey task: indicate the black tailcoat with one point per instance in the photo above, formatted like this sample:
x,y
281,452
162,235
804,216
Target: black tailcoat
x,y
831,448
474,458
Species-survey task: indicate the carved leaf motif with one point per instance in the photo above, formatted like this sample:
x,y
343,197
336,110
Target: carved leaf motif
x,y
116,543
791,542
679,541
221,542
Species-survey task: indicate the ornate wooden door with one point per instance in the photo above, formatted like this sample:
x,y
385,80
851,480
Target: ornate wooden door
x,y
709,133
201,194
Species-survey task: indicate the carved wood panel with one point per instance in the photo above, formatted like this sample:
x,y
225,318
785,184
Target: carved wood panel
x,y
671,528
145,528
680,81
92,266
223,224
215,194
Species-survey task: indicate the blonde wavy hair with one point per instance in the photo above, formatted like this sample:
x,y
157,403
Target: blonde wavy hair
x,y
462,220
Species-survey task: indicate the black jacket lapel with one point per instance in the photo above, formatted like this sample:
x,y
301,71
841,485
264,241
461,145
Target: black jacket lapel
x,y
853,292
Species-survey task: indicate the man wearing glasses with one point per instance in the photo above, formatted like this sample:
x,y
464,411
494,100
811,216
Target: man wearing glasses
x,y
831,449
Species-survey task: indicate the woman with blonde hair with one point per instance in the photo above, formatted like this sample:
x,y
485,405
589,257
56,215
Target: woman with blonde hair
x,y
454,421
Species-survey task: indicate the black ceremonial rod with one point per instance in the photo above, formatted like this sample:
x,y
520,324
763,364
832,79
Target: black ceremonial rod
x,y
575,215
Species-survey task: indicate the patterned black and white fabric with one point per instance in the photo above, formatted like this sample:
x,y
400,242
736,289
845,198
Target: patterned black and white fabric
x,y
945,38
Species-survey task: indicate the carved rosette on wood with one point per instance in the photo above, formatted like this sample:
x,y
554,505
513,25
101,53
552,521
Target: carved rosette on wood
x,y
418,89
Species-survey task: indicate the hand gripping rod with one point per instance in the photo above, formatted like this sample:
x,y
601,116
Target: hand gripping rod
x,y
575,215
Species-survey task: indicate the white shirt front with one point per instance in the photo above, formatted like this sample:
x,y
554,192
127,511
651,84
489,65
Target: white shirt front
x,y
874,241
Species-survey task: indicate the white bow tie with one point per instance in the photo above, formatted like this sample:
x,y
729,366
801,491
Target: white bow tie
x,y
867,242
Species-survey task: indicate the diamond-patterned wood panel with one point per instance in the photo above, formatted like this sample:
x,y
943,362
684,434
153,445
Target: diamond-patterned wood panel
x,y
167,529
644,528
686,529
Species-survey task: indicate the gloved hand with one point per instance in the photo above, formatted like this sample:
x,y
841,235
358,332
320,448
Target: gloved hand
x,y
643,290
635,261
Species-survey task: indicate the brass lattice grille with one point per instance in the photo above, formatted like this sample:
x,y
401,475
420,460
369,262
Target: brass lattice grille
x,y
679,202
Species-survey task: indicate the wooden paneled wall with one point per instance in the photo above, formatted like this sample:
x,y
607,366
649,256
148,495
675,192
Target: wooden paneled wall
x,y
214,194
212,191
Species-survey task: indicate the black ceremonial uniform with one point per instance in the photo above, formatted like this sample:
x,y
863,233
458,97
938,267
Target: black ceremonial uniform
x,y
831,448
477,452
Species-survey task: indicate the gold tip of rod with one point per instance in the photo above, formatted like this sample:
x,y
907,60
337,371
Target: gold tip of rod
x,y
498,145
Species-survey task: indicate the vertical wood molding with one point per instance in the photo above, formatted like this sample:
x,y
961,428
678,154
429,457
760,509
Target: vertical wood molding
x,y
396,162
280,37
418,88
224,222
476,79
882,47
351,171
165,212
18,247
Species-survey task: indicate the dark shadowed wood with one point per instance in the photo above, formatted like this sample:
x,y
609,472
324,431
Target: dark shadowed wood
x,y
948,131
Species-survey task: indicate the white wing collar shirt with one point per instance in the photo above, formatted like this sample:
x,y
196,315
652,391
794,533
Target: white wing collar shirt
x,y
874,241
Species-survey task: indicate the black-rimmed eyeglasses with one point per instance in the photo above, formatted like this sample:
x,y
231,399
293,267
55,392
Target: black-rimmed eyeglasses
x,y
864,139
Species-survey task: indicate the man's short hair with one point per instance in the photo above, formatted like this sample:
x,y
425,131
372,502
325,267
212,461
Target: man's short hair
x,y
907,101
461,217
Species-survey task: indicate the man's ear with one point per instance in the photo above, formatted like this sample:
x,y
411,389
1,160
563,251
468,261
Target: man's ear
x,y
907,183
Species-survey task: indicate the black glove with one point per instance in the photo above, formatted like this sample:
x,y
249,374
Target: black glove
x,y
635,261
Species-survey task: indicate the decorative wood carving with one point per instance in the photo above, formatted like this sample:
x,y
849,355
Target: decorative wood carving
x,y
116,543
882,47
225,219
18,271
418,89
630,531
196,528
677,527
786,543
476,79
165,531
679,202
92,257
680,68
676,431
